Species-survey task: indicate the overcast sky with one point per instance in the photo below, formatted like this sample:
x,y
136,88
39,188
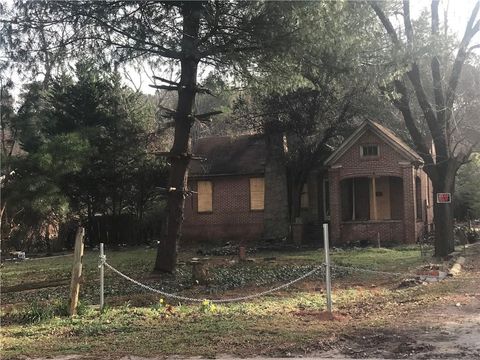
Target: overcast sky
x,y
458,14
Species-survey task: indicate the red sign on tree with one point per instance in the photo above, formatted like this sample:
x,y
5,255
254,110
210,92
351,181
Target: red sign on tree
x,y
444,198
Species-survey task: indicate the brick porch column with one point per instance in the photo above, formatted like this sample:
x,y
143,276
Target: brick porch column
x,y
408,203
335,205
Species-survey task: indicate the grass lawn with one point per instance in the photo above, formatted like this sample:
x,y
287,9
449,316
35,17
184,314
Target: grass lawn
x,y
140,323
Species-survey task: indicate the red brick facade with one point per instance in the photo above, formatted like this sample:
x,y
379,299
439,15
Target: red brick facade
x,y
231,218
396,166
391,161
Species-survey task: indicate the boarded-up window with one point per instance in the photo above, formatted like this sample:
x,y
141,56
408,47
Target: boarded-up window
x,y
204,189
304,197
257,193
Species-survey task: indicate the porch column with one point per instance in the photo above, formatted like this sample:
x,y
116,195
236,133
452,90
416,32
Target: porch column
x,y
354,195
374,198
408,202
335,205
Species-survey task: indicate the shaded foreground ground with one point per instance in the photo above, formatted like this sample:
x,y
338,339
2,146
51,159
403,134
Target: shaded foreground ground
x,y
375,318
448,328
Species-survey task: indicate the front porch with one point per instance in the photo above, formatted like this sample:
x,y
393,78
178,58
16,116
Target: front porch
x,y
378,190
372,209
373,231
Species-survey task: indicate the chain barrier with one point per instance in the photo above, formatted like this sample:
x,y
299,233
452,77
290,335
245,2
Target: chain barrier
x,y
216,301
252,296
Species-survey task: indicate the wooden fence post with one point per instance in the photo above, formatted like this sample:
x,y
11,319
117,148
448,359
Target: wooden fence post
x,y
76,271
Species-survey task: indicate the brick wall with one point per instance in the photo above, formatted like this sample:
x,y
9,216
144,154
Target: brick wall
x,y
389,231
427,204
231,218
335,206
409,212
388,163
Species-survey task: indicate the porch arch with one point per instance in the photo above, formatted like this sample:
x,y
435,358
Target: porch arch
x,y
373,198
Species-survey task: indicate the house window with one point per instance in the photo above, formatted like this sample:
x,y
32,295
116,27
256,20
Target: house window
x,y
304,197
205,203
368,150
257,193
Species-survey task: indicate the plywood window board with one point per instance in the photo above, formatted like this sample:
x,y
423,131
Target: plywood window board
x,y
205,192
257,193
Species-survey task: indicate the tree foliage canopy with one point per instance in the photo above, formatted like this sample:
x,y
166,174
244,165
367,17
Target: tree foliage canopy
x,y
426,67
87,145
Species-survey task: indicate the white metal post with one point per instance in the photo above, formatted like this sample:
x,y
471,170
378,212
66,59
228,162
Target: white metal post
x,y
327,268
102,271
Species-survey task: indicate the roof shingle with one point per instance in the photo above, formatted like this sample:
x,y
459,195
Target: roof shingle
x,y
225,155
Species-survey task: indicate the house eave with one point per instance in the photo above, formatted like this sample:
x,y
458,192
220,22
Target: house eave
x,y
204,176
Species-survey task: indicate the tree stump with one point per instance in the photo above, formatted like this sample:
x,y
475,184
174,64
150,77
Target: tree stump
x,y
199,271
242,253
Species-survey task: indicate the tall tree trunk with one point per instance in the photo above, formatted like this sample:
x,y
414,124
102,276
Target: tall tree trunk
x,y
296,194
296,179
443,213
167,251
443,220
48,242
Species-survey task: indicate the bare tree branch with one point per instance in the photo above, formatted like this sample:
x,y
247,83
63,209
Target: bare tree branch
x,y
470,31
435,66
403,105
408,23
164,87
386,23
174,83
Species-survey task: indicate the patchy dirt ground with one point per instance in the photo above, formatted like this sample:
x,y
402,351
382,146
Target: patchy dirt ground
x,y
448,331
446,325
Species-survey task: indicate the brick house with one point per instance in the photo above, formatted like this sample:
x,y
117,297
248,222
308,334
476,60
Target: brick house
x,y
377,189
232,201
241,191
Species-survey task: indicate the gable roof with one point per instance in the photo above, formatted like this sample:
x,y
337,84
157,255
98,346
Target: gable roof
x,y
226,155
382,132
